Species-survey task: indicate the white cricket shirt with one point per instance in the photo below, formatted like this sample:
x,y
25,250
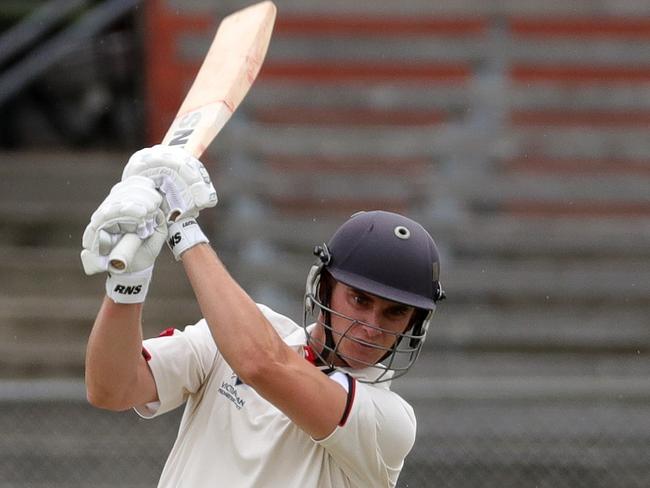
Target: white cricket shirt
x,y
230,436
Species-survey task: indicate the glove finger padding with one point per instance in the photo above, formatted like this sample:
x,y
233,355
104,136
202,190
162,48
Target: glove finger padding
x,y
144,258
182,179
132,206
150,248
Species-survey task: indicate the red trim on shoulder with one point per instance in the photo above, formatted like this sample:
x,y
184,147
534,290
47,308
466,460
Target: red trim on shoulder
x,y
309,354
146,354
169,331
352,386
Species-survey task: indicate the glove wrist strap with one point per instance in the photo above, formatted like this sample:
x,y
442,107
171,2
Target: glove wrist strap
x,y
184,234
129,287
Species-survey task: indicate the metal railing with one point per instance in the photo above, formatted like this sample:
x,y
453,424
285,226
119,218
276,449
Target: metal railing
x,y
53,50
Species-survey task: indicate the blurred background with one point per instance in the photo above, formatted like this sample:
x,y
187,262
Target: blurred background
x,y
517,132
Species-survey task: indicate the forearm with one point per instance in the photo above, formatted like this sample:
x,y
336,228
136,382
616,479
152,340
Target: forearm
x,y
245,338
113,354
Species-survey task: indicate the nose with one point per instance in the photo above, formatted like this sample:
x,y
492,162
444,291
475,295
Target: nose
x,y
371,325
371,332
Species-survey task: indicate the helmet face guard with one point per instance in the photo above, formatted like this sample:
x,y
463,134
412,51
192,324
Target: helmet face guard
x,y
396,359
386,255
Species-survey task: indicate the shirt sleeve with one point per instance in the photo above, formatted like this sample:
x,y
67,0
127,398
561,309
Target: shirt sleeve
x,y
179,361
377,436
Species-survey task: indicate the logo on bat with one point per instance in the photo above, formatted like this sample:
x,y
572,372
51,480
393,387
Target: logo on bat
x,y
186,126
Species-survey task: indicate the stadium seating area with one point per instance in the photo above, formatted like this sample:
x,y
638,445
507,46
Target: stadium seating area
x,y
520,141
517,132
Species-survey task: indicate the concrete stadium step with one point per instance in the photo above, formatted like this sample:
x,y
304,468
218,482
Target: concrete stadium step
x,y
424,7
276,95
490,236
33,315
556,238
582,26
47,336
416,48
498,280
47,198
68,175
545,326
294,53
36,359
434,390
595,118
288,7
618,96
523,366
578,142
575,166
617,280
575,61
58,272
349,116
356,71
627,143
619,40
558,195
300,191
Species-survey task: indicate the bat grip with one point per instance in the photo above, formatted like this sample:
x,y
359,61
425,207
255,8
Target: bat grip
x,y
123,253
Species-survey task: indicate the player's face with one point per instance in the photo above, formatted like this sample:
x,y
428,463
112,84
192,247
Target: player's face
x,y
370,327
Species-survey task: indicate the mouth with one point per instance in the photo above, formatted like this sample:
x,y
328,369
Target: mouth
x,y
364,346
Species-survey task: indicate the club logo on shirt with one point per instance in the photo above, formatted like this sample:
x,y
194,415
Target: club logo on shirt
x,y
229,390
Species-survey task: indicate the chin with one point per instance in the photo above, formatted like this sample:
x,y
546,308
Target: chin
x,y
355,361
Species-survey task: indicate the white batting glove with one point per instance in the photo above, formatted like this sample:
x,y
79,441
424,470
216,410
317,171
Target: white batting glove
x,y
184,234
132,207
180,177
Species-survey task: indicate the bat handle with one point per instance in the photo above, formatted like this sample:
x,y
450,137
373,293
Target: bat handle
x,y
123,252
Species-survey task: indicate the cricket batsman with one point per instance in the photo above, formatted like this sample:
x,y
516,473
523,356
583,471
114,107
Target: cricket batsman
x,y
267,403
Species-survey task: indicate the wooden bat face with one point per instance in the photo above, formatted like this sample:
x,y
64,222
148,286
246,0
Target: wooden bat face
x,y
227,73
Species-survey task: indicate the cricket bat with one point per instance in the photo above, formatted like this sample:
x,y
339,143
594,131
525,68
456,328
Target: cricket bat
x,y
227,73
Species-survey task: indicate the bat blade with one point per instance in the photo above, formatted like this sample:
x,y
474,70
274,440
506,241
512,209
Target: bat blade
x,y
226,74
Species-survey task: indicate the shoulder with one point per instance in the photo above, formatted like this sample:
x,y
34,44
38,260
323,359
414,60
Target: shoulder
x,y
395,421
192,340
380,398
389,405
198,334
376,437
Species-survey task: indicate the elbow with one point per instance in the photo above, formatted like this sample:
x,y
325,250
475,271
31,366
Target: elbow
x,y
258,362
105,400
258,372
251,374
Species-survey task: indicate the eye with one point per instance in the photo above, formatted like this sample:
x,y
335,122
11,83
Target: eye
x,y
400,311
360,299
